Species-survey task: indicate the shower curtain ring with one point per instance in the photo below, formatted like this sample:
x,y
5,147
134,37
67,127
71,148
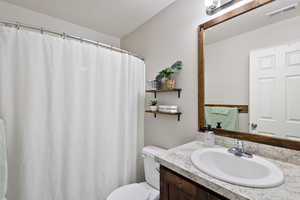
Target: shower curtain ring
x,y
18,25
42,30
81,40
64,35
97,44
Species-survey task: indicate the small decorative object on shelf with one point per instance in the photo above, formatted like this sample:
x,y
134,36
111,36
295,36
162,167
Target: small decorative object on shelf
x,y
170,84
153,105
168,108
153,85
167,75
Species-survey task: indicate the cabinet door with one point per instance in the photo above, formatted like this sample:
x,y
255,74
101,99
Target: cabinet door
x,y
176,187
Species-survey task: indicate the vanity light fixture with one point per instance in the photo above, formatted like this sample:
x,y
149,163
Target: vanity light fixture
x,y
213,6
216,3
282,10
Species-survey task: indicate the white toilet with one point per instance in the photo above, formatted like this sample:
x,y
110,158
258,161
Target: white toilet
x,y
148,190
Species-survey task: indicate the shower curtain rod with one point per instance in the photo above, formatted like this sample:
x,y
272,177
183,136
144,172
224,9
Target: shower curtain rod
x,y
18,25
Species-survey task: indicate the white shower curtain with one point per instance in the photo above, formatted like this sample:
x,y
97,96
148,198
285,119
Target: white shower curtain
x,y
74,116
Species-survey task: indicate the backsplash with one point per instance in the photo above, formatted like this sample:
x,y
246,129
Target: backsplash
x,y
276,153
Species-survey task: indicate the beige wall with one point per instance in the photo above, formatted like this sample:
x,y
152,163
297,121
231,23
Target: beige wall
x,y
14,13
166,38
229,74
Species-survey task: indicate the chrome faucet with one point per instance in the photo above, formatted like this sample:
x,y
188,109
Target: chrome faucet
x,y
239,150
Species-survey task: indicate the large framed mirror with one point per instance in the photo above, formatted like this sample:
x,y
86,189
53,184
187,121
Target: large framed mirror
x,y
249,73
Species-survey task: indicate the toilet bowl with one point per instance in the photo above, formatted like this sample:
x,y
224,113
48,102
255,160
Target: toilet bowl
x,y
148,190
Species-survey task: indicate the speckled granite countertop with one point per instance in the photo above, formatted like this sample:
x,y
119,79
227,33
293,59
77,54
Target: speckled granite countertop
x,y
178,160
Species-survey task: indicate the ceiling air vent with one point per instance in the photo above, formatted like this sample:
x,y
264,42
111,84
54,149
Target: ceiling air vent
x,y
282,10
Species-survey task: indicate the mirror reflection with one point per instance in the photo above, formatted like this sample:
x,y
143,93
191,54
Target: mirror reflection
x,y
252,73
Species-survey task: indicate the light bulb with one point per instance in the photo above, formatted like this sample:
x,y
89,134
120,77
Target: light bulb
x,y
208,3
212,3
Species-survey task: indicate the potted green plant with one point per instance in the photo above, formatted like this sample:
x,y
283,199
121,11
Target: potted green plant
x,y
167,74
153,105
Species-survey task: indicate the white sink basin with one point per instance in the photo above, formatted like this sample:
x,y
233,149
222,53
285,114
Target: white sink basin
x,y
251,172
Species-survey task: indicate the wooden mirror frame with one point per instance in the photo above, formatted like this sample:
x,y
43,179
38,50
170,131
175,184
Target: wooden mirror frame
x,y
279,142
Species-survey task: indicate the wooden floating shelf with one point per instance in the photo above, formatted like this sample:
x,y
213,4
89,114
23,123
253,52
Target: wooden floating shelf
x,y
164,113
178,90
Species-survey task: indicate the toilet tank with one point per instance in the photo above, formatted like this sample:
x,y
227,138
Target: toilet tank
x,y
151,166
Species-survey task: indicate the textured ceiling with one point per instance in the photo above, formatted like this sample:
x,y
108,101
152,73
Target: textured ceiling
x,y
114,17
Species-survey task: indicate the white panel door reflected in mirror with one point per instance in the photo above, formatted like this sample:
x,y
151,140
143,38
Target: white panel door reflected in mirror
x,y
274,91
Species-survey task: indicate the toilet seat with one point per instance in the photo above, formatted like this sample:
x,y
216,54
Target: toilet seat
x,y
135,191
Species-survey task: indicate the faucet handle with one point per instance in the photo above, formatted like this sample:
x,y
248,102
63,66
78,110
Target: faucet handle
x,y
240,152
248,155
236,151
239,144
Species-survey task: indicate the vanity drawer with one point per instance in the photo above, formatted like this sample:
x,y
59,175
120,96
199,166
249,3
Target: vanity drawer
x,y
176,187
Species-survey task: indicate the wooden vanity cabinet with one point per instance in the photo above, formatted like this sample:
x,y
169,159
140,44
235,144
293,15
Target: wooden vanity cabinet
x,y
176,187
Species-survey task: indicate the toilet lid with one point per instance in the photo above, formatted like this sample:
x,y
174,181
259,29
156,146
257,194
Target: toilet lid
x,y
134,192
